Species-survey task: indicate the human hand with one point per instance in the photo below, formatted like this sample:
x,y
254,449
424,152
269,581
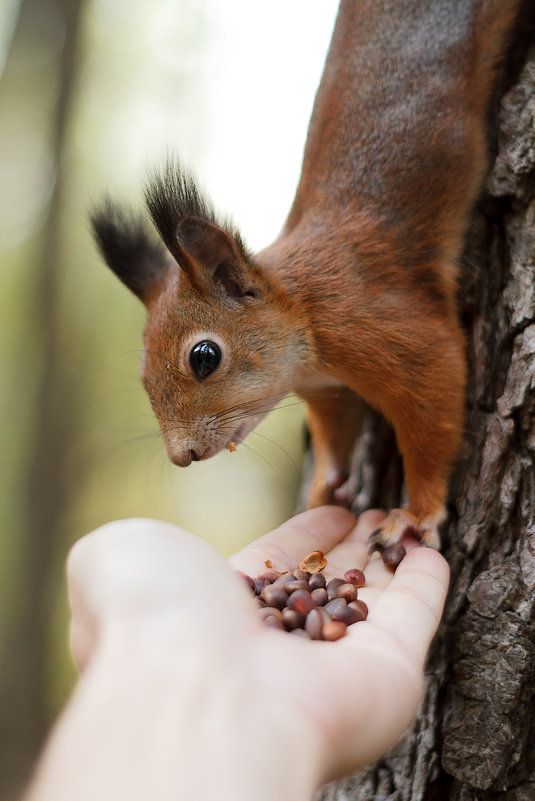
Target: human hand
x,y
307,709
363,690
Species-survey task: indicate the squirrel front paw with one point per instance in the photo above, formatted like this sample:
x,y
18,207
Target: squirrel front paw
x,y
400,522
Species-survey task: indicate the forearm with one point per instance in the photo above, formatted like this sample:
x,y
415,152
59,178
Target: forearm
x,y
139,726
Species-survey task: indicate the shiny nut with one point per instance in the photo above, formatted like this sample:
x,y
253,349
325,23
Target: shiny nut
x,y
333,585
347,614
333,630
361,607
320,596
274,596
301,601
313,624
317,581
356,577
292,619
346,591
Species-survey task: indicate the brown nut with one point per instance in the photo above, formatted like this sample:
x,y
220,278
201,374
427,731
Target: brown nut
x,y
355,576
320,596
313,624
333,585
330,606
274,622
346,591
347,614
325,616
317,581
266,611
333,630
296,584
269,575
361,607
274,596
301,575
301,601
292,619
284,579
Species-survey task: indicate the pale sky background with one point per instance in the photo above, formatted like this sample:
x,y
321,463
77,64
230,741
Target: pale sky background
x,y
246,93
271,57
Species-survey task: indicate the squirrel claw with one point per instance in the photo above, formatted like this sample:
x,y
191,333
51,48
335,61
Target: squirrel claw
x,y
400,522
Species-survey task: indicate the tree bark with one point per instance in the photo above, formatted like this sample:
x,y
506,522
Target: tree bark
x,y
474,738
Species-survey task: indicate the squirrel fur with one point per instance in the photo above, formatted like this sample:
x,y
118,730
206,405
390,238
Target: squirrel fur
x,y
356,298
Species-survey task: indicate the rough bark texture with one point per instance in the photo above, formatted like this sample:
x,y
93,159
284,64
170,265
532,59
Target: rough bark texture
x,y
475,736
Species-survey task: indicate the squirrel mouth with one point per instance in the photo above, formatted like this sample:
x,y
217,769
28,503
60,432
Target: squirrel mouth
x,y
237,437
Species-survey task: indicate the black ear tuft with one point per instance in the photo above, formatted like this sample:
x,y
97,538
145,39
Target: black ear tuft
x,y
139,262
172,195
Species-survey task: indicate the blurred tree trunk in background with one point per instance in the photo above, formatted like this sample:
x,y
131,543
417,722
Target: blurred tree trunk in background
x,y
474,739
24,717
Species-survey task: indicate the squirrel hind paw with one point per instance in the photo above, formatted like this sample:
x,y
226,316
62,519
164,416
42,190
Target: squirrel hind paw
x,y
400,522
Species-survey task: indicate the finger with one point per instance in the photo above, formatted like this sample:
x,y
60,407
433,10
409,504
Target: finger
x,y
285,547
411,605
140,565
386,654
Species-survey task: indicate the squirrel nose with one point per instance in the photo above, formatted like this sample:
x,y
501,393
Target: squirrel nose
x,y
185,457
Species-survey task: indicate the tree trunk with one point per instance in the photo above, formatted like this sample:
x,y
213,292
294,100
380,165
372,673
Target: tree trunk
x,y
474,738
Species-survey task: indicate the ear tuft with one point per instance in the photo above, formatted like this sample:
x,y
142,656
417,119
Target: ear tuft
x,y
210,251
138,261
172,195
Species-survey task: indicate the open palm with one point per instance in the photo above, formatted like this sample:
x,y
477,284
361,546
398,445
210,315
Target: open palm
x,y
348,700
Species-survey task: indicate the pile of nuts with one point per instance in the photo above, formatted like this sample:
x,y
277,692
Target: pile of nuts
x,y
304,603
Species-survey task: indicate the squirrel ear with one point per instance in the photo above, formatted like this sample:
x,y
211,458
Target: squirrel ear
x,y
129,252
209,253
187,224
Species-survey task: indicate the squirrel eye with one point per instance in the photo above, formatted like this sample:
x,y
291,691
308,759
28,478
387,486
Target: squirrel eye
x,y
204,358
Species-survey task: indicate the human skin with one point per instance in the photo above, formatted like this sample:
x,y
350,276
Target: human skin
x,y
185,693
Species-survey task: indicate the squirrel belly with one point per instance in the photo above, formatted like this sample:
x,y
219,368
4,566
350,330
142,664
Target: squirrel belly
x,y
356,299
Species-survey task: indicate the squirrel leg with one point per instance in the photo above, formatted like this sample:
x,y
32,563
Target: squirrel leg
x,y
423,399
334,420
428,448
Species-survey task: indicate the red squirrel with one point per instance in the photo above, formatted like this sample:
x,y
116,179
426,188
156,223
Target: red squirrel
x,y
356,298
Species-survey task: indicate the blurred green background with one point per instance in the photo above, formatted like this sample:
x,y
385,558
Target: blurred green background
x,y
93,92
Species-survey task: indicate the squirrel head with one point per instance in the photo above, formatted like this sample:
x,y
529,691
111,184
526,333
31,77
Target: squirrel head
x,y
223,342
